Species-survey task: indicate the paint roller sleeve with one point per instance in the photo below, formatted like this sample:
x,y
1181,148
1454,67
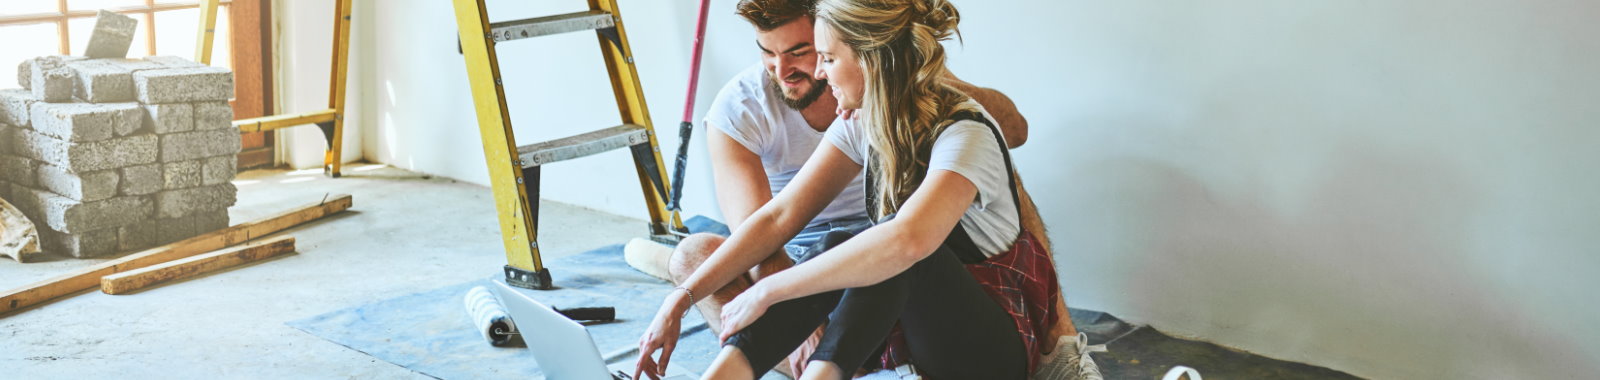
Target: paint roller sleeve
x,y
490,318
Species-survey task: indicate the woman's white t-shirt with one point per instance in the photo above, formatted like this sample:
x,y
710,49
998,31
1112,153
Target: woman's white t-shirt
x,y
967,148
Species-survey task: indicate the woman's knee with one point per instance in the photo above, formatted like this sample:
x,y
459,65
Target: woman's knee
x,y
691,252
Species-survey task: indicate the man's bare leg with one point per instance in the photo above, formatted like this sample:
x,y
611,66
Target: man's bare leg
x,y
694,250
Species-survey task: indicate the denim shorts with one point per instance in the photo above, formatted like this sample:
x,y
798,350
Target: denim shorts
x,y
797,247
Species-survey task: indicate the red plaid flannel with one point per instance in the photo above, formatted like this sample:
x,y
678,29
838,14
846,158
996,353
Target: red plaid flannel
x,y
1023,281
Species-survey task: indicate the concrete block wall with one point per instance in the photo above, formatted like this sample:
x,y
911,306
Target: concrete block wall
x,y
141,152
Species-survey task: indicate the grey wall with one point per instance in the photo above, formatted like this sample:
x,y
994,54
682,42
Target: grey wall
x,y
1392,189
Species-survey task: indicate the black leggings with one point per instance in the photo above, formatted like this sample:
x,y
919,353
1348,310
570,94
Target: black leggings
x,y
953,328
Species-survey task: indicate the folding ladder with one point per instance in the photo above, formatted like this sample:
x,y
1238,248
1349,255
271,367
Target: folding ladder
x,y
514,170
331,120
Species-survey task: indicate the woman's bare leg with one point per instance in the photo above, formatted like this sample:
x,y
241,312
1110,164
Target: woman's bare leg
x,y
729,365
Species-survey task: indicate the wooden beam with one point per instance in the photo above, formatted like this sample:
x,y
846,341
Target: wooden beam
x,y
88,278
137,279
268,123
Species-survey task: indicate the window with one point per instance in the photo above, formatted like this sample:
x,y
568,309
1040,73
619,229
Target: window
x,y
41,27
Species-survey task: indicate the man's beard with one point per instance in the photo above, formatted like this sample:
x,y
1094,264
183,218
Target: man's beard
x,y
805,100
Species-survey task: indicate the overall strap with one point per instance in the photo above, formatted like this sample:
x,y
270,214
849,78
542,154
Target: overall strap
x,y
959,241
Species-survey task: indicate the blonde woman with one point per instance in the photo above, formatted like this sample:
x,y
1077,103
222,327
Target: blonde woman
x,y
948,276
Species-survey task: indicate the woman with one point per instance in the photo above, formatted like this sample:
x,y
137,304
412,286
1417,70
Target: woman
x,y
972,291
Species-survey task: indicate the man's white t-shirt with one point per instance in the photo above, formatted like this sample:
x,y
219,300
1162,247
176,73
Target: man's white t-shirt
x,y
754,115
967,148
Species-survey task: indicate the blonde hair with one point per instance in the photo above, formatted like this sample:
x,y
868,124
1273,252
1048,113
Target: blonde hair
x,y
906,102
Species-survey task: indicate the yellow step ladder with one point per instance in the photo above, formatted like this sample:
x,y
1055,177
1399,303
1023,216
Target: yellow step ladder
x,y
331,120
514,170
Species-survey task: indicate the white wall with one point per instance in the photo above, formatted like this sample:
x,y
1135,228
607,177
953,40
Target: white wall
x,y
304,39
1392,189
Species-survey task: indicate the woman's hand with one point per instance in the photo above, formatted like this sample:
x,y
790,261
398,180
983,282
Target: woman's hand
x,y
744,309
662,334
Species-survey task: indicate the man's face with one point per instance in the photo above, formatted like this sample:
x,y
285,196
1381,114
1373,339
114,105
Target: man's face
x,y
790,58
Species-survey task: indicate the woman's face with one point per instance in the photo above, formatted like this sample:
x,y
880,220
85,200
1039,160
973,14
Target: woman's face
x,y
838,64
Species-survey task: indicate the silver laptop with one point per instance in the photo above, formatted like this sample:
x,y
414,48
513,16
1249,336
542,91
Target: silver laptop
x,y
562,347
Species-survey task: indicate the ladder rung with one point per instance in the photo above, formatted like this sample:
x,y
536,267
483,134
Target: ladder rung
x,y
567,148
547,25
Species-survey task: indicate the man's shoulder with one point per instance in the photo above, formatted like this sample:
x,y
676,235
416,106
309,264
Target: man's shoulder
x,y
744,88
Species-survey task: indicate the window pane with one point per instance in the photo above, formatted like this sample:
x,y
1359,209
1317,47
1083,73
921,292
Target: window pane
x,y
24,42
101,4
177,31
28,7
222,44
79,30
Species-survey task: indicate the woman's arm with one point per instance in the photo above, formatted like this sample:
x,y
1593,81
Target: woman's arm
x,y
824,175
882,251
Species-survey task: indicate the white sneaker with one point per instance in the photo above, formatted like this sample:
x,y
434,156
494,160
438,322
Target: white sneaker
x,y
1070,360
1179,373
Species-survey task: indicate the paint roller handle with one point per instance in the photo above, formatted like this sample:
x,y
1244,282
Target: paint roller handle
x,y
605,313
685,129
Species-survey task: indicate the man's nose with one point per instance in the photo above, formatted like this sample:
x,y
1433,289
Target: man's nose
x,y
785,66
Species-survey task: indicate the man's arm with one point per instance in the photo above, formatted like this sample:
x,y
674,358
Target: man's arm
x,y
741,182
1012,124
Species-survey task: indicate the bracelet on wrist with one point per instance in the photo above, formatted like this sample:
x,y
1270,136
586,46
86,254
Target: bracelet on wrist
x,y
689,293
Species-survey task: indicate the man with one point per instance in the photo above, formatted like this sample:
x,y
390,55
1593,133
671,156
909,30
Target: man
x,y
763,126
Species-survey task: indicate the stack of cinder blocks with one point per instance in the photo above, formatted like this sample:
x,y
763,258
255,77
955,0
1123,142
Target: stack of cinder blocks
x,y
111,155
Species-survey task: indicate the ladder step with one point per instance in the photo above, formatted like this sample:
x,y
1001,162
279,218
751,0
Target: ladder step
x,y
567,148
547,25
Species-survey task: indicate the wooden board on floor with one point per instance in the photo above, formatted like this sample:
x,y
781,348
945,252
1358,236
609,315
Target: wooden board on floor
x,y
138,279
88,278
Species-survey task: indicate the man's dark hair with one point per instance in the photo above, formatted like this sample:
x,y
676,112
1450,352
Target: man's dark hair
x,y
770,14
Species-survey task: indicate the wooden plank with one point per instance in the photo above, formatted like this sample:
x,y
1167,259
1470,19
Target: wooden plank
x,y
137,279
88,278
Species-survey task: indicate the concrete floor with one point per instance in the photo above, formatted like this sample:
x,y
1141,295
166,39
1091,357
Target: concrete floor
x,y
406,233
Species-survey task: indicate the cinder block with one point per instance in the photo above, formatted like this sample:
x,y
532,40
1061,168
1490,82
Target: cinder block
x,y
99,81
199,144
173,61
83,187
213,115
137,236
52,81
25,70
5,189
169,118
25,74
89,156
183,85
84,122
8,136
141,180
71,216
80,245
19,170
180,175
112,35
132,65
14,105
219,169
184,202
174,229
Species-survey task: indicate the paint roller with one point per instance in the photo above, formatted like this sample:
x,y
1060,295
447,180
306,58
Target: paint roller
x,y
496,326
491,319
648,256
